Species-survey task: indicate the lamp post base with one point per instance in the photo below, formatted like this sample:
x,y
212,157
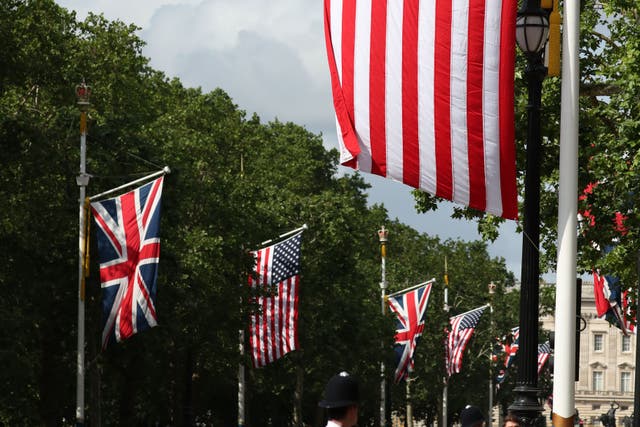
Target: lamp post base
x,y
526,405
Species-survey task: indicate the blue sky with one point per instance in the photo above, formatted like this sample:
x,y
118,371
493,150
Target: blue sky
x,y
269,56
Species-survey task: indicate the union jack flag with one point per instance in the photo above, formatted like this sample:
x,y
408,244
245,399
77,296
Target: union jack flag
x,y
502,375
410,307
544,351
128,235
462,327
274,329
511,348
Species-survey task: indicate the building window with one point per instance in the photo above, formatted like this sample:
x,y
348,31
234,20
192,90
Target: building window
x,y
626,343
598,381
625,381
598,342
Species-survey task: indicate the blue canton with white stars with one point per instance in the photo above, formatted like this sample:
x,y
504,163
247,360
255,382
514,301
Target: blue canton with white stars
x,y
286,259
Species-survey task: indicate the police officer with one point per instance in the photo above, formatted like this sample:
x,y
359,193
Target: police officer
x,y
341,401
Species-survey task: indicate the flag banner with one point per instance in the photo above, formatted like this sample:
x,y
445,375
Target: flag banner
x,y
500,378
462,327
274,328
511,347
628,310
128,235
608,296
423,93
544,351
410,307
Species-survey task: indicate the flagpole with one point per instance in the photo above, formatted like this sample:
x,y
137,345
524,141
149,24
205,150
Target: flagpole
x,y
288,233
166,170
409,289
382,236
492,291
241,380
636,385
565,315
445,379
83,93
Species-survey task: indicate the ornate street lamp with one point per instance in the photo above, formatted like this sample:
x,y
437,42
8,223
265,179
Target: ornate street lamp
x,y
532,30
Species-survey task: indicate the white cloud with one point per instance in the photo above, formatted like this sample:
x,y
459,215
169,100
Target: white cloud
x,y
269,56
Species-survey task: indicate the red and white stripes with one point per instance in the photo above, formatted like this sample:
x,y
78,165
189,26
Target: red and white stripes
x,y
423,94
274,328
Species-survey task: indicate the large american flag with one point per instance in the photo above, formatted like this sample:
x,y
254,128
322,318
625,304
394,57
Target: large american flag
x,y
462,327
423,93
128,236
544,352
274,329
410,307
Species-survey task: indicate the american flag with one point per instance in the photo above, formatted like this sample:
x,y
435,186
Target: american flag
x,y
511,348
544,351
423,93
128,235
462,327
274,329
410,307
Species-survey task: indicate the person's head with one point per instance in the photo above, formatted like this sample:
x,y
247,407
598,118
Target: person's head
x,y
511,421
471,416
341,396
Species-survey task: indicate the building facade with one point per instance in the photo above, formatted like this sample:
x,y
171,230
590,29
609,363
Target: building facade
x,y
606,368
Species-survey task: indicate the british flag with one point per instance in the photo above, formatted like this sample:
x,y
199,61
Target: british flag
x,y
410,307
462,327
512,346
128,249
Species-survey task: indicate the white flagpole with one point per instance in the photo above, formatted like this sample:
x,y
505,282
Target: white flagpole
x,y
445,379
565,315
382,236
164,171
83,92
241,382
288,233
410,288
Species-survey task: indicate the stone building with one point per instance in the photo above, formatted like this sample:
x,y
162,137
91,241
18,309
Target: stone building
x,y
607,364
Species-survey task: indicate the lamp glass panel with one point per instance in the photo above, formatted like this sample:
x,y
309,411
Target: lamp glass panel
x,y
532,32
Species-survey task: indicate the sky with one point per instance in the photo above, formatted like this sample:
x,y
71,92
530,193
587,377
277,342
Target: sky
x,y
270,57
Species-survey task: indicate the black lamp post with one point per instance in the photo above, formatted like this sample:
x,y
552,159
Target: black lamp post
x,y
532,29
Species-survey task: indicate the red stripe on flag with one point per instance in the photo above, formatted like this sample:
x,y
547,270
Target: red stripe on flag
x,y
348,45
475,60
410,146
296,284
507,115
339,103
442,99
377,83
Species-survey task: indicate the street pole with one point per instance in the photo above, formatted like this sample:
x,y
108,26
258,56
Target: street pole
x,y
492,291
445,381
564,364
382,236
532,29
409,407
241,379
83,93
636,385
